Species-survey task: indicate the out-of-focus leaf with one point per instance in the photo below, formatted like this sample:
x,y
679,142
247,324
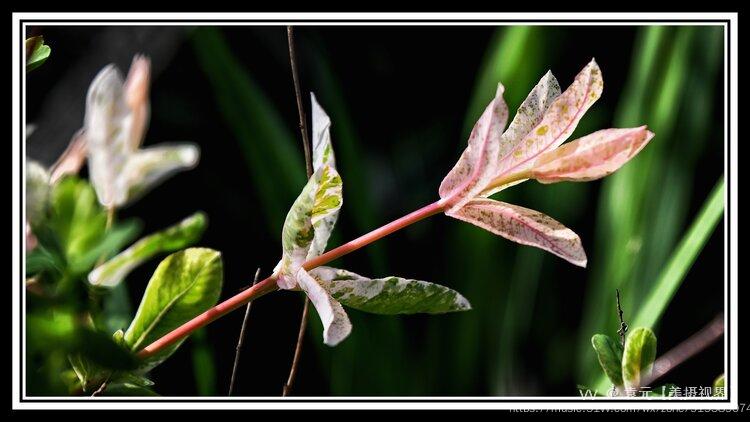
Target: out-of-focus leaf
x,y
184,285
477,164
389,295
268,144
204,368
609,353
115,123
120,389
171,239
37,191
78,224
638,356
682,259
36,52
524,226
592,157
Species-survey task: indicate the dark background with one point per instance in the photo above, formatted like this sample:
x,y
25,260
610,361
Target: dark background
x,y
399,96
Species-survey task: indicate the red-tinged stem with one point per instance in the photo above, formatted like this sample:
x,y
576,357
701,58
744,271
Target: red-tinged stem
x,y
269,284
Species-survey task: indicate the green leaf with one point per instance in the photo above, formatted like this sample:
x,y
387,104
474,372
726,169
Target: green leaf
x,y
609,353
127,389
184,285
719,387
389,295
174,238
36,52
682,259
78,225
638,356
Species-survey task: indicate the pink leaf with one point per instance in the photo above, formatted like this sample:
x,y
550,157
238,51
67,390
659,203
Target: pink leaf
x,y
529,114
558,122
525,226
336,324
478,163
591,157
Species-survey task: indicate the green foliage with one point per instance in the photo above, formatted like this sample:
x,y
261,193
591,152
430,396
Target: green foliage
x,y
609,353
171,239
719,386
37,52
184,285
638,356
389,295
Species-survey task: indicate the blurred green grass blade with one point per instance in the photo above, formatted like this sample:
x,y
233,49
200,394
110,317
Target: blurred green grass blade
x,y
481,264
682,259
267,142
680,262
204,369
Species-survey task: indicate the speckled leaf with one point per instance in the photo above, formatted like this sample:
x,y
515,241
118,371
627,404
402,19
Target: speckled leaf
x,y
37,191
591,157
173,238
336,324
389,295
107,127
146,168
525,226
184,285
308,223
478,164
558,122
321,136
638,356
609,353
529,114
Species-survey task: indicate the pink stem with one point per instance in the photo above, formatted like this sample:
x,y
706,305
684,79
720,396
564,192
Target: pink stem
x,y
269,284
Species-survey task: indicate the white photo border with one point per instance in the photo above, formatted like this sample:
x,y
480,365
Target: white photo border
x,y
729,21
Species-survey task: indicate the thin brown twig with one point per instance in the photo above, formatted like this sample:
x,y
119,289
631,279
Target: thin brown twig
x,y
241,340
309,168
687,349
623,326
297,350
300,107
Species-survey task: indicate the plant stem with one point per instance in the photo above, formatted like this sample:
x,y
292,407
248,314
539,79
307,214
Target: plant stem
x,y
269,284
623,326
297,350
309,169
241,340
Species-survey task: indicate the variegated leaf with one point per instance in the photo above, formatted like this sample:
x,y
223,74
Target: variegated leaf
x,y
638,357
529,114
591,157
107,127
324,218
336,324
525,226
558,122
171,239
478,163
321,136
388,295
148,167
320,199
